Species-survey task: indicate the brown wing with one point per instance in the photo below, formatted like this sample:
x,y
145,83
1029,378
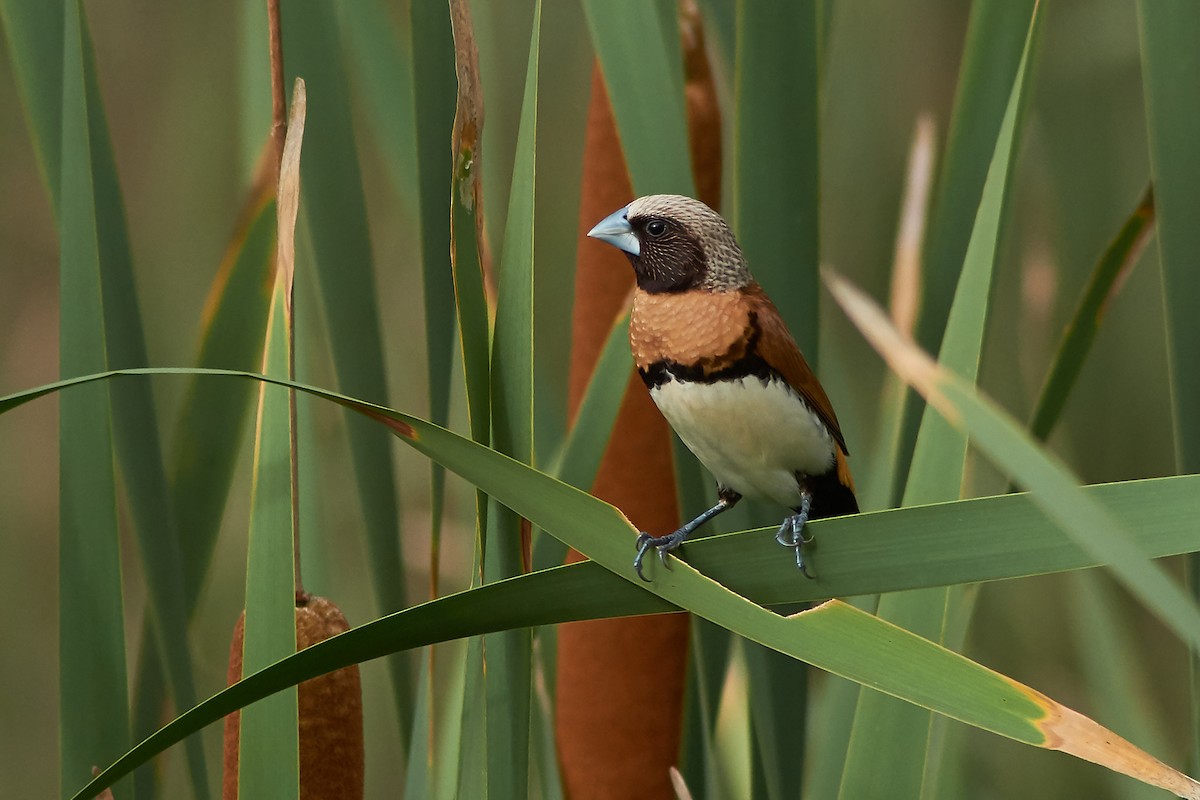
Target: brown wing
x,y
775,345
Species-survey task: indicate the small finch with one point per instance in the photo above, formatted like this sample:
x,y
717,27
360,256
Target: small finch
x,y
725,372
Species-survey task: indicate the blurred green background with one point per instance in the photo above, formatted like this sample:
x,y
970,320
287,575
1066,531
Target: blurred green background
x,y
185,94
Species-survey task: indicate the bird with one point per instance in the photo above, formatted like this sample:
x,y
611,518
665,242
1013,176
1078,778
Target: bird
x,y
722,367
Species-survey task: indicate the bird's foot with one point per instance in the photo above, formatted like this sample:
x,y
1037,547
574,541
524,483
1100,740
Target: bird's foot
x,y
791,534
664,545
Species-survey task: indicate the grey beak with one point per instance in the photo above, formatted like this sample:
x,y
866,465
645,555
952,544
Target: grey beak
x,y
616,230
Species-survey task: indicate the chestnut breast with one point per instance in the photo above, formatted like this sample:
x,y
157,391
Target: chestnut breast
x,y
707,329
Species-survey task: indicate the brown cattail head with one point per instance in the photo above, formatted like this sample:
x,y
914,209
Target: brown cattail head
x,y
331,728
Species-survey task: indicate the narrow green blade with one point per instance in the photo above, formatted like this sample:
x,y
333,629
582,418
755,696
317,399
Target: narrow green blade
x,y
35,45
1116,262
890,747
418,777
210,429
37,37
94,707
508,655
269,753
834,636
583,450
1113,671
433,79
466,234
775,215
585,445
1051,484
864,553
1170,72
996,37
631,39
565,77
995,41
967,541
708,664
381,58
336,217
775,166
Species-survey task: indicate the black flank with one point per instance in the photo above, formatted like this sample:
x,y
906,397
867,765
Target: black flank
x,y
830,497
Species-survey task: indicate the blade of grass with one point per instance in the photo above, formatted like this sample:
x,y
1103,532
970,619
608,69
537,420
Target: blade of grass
x,y
775,148
467,727
381,58
472,772
508,655
579,460
135,430
35,43
891,743
629,37
450,742
210,427
775,172
211,424
830,722
1114,674
996,36
137,444
269,744
557,205
465,721
708,664
882,468
565,77
1170,71
268,765
418,775
467,240
1052,486
584,447
94,707
433,75
966,541
212,421
834,636
1106,280
547,779
336,218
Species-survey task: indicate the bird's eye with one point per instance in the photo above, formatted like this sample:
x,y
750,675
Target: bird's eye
x,y
656,228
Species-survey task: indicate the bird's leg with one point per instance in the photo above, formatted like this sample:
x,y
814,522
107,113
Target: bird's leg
x,y
665,544
791,532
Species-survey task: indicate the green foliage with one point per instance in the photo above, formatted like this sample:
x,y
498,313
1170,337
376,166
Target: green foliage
x,y
138,151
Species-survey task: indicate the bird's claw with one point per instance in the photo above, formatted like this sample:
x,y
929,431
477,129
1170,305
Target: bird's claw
x,y
800,563
794,525
664,544
643,544
797,538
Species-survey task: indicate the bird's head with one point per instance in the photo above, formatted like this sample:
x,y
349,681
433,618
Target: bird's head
x,y
675,243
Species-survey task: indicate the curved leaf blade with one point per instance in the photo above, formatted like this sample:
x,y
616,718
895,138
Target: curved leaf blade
x,y
835,637
1051,484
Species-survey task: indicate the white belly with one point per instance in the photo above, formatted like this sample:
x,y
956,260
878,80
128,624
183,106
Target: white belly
x,y
752,437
